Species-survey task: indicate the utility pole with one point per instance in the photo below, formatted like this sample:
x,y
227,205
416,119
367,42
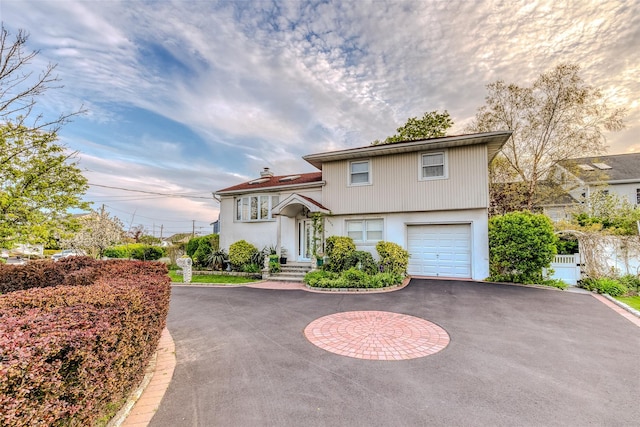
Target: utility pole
x,y
193,228
161,227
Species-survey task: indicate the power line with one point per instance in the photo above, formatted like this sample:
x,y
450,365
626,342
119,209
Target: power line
x,y
153,192
155,219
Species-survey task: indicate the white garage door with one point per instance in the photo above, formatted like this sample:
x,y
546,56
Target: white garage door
x,y
439,250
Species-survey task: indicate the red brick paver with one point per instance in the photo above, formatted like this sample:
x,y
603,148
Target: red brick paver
x,y
377,335
145,407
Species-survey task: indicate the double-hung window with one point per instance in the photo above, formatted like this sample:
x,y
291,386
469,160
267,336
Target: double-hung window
x,y
255,208
433,166
365,230
360,173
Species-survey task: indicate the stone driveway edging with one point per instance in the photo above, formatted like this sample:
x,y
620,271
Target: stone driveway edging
x,y
622,305
145,399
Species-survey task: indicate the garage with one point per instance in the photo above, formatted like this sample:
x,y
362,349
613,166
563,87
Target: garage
x,y
439,250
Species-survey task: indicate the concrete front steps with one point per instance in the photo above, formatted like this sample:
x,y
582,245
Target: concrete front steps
x,y
292,272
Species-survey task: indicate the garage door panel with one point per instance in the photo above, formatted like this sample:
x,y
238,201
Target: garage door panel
x,y
440,250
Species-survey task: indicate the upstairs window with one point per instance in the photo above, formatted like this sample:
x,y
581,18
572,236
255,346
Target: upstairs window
x,y
433,166
359,173
255,208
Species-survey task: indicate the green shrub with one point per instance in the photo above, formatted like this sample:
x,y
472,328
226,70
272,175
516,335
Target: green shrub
x,y
604,285
137,251
393,259
556,283
339,250
382,280
274,264
211,241
216,259
364,261
240,253
521,244
312,278
251,268
567,245
355,278
631,282
147,253
611,287
121,251
351,278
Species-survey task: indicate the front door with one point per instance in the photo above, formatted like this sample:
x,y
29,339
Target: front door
x,y
305,239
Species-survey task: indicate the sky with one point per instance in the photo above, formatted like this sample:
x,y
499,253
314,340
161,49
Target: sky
x,y
184,98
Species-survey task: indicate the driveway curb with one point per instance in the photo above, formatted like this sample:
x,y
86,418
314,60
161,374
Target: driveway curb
x,y
143,403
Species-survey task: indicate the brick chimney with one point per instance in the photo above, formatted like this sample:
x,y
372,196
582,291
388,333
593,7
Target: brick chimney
x,y
266,172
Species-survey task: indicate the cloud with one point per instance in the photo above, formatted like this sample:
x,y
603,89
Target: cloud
x,y
205,94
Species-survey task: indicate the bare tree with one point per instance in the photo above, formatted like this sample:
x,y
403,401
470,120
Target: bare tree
x,y
555,119
20,87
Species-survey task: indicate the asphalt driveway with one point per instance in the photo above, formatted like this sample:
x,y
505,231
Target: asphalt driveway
x,y
517,357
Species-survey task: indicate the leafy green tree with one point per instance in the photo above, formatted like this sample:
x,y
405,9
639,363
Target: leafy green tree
x,y
39,182
521,244
431,125
556,117
39,178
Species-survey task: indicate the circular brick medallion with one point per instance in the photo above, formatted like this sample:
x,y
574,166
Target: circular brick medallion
x,y
377,335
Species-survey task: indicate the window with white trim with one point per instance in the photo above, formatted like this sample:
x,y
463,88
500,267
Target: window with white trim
x,y
360,173
433,166
255,208
365,230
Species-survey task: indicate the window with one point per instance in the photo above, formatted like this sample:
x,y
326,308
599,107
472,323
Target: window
x,y
359,173
433,166
637,196
366,230
255,208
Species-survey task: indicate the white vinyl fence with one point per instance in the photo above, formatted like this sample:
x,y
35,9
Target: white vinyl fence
x,y
566,268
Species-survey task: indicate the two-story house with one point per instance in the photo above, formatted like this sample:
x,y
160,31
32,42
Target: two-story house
x,y
429,196
615,174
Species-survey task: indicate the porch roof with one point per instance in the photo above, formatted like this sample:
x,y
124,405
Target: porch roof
x,y
295,202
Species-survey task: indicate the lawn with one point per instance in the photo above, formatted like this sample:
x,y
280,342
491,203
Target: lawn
x,y
633,302
211,278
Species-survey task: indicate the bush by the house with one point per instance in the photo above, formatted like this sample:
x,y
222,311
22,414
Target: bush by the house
x,y
393,259
605,285
240,253
521,244
362,260
339,250
351,278
70,353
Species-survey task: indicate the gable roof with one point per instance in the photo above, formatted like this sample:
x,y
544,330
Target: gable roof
x,y
620,167
494,141
276,182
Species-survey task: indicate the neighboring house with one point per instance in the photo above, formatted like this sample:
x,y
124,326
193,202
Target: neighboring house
x,y
429,196
615,174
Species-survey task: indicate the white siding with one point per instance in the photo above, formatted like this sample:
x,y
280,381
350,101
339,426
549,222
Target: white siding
x,y
397,187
